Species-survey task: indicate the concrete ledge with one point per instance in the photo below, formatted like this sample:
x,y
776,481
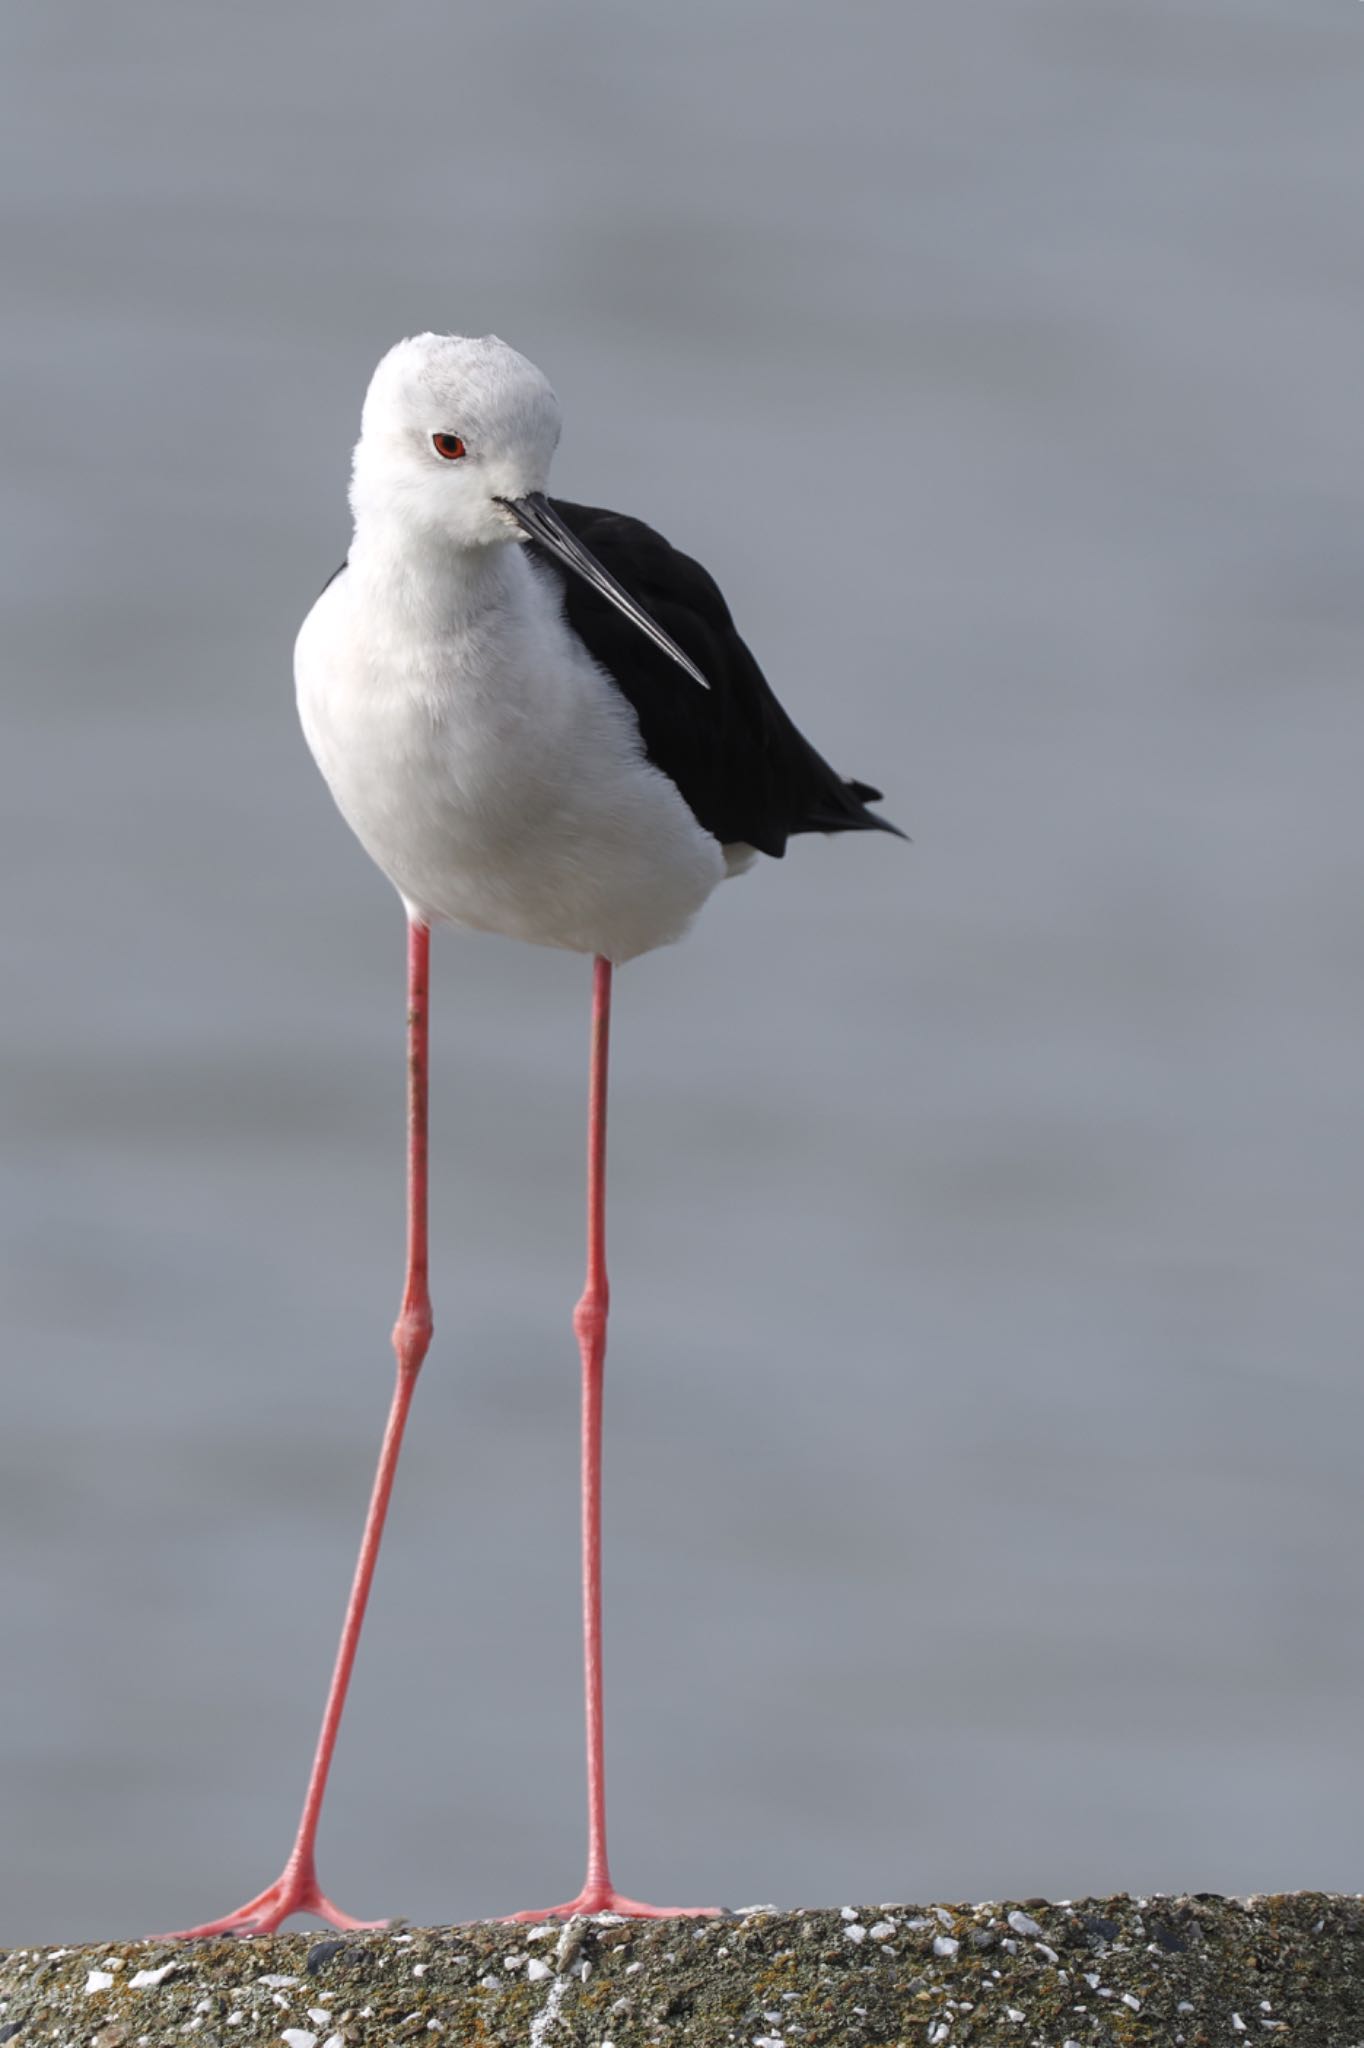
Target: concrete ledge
x,y
1092,1973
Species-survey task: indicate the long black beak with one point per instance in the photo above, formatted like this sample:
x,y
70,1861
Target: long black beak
x,y
537,517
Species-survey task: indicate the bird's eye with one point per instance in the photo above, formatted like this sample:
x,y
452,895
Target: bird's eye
x,y
448,445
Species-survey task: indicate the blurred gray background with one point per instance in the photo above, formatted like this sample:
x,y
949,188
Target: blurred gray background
x,y
985,1421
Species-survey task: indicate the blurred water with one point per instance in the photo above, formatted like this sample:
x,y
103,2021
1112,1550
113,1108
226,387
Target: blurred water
x,y
984,1410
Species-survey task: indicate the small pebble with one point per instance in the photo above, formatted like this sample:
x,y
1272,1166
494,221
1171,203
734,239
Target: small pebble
x,y
321,1953
98,1980
570,1941
535,1970
856,1933
1023,1923
945,1945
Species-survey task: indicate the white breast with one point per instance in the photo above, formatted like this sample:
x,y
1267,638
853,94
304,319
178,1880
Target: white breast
x,y
490,768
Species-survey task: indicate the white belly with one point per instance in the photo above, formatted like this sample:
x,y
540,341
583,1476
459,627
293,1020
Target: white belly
x,y
496,776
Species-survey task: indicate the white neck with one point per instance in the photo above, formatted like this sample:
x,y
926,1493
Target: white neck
x,y
424,577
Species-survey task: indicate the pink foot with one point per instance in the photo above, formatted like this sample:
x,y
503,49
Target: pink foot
x,y
600,1898
294,1892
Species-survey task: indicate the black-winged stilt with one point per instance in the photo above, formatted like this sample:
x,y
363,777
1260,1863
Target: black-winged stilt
x,y
539,720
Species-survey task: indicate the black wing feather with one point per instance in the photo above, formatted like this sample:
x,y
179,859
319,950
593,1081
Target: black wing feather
x,y
739,762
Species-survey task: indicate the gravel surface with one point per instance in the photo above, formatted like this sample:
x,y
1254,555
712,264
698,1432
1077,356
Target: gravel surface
x,y
1089,1973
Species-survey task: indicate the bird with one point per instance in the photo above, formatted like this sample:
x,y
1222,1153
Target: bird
x,y
539,720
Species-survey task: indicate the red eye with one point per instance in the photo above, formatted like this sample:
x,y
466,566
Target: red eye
x,y
448,445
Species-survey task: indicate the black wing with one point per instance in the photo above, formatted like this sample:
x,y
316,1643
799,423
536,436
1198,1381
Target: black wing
x,y
739,762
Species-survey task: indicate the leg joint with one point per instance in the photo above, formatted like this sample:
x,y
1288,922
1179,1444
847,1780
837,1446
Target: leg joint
x,y
412,1335
589,1317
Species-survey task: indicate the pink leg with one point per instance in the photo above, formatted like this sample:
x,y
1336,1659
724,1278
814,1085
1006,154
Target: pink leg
x,y
598,1894
297,1889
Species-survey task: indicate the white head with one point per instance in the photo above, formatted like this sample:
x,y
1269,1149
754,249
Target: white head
x,y
455,444
450,426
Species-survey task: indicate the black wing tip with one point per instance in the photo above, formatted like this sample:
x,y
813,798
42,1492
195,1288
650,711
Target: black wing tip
x,y
861,821
884,825
865,795
851,814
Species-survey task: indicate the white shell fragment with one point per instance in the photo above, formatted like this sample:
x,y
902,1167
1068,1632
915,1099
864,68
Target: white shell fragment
x,y
147,1980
